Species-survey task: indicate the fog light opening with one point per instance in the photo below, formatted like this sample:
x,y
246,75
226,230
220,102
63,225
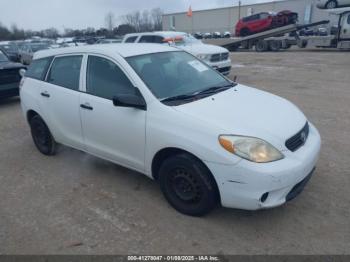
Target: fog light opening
x,y
264,197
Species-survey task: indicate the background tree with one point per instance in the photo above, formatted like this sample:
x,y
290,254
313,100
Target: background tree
x,y
124,29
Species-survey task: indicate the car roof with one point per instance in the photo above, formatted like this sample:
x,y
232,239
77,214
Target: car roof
x,y
124,50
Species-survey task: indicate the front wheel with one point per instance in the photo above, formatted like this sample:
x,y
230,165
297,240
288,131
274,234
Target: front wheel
x,y
42,136
188,185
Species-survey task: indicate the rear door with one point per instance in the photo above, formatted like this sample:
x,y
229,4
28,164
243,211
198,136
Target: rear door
x,y
60,99
110,132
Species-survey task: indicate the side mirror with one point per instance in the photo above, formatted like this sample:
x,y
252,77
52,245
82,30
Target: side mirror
x,y
132,101
22,72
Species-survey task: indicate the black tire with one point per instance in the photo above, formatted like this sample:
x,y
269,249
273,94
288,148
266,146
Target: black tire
x,y
42,136
302,43
261,46
275,46
331,4
188,185
244,32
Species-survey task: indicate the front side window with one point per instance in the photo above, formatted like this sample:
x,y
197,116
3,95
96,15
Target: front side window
x,y
131,39
65,72
348,19
38,68
171,74
105,79
9,48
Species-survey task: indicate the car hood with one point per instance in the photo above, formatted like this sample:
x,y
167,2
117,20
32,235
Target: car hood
x,y
198,49
250,112
10,65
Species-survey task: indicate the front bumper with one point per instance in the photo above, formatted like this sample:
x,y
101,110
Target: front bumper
x,y
9,90
224,67
253,186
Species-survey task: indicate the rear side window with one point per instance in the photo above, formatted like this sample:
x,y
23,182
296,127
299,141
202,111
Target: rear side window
x,y
105,79
131,39
38,68
348,19
151,39
264,15
65,72
251,18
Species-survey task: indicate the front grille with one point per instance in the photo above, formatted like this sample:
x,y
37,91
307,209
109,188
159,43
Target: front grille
x,y
219,57
297,141
9,76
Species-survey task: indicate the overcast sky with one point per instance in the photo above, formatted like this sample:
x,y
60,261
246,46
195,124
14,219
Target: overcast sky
x,y
41,14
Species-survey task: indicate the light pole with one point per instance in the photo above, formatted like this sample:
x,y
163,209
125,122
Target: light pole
x,y
239,9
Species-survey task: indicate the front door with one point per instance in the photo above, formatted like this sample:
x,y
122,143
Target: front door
x,y
113,133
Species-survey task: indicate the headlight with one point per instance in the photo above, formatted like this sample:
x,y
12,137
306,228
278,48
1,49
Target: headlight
x,y
250,148
204,57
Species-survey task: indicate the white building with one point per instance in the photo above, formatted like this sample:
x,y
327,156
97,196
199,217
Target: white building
x,y
225,19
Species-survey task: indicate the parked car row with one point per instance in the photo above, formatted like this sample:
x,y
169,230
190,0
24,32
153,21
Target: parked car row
x,y
200,35
22,51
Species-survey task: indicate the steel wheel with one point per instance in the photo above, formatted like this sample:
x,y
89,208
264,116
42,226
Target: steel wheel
x,y
188,185
185,186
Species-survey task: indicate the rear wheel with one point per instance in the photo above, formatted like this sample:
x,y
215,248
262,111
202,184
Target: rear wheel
x,y
42,137
275,46
188,185
261,46
332,4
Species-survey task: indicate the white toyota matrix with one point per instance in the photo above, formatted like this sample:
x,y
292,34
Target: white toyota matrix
x,y
160,111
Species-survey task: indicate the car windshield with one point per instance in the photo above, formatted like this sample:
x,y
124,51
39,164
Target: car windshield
x,y
177,73
3,57
36,48
9,48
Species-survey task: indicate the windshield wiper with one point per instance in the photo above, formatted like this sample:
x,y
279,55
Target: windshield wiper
x,y
208,91
215,89
178,98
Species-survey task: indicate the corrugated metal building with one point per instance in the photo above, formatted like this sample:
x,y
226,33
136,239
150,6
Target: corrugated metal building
x,y
225,19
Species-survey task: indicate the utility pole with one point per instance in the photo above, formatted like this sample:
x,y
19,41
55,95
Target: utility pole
x,y
239,9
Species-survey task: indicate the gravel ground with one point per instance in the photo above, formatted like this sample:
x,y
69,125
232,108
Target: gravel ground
x,y
74,203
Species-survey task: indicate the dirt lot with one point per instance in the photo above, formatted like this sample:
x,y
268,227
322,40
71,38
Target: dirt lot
x,y
77,204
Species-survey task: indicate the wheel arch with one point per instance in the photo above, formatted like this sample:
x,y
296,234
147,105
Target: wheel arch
x,y
165,153
30,114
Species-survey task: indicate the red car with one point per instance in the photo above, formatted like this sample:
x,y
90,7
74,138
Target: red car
x,y
264,21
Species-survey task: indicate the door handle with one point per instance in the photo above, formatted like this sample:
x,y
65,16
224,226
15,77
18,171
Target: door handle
x,y
87,107
45,94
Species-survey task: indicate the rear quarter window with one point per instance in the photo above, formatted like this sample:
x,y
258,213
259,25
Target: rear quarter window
x,y
38,68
